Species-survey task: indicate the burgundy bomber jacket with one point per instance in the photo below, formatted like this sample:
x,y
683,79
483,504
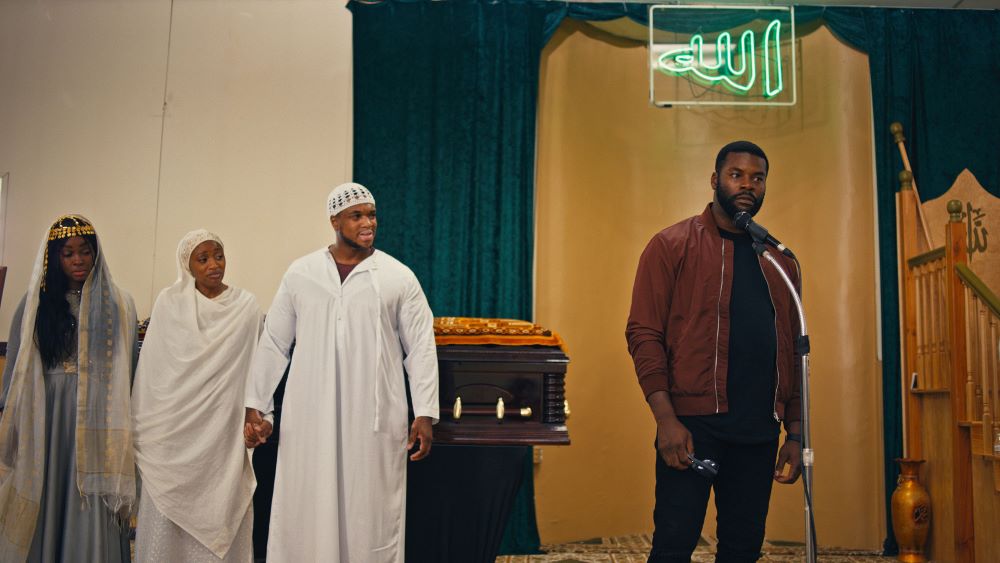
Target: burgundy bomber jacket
x,y
678,327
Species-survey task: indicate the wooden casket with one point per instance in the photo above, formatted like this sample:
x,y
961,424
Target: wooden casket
x,y
502,382
502,388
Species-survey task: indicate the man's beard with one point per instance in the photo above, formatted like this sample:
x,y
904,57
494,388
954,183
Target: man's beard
x,y
352,243
729,203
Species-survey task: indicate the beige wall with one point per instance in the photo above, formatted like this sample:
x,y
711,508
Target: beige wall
x,y
611,172
153,118
258,130
81,87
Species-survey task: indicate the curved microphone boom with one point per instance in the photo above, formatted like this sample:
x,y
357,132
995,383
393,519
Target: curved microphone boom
x,y
744,221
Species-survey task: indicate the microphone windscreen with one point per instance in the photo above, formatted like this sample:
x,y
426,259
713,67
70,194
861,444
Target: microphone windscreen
x,y
741,219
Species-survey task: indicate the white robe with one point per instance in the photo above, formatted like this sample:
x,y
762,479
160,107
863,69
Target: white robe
x,y
340,484
187,405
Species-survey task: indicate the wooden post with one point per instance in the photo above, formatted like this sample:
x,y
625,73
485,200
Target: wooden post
x,y
970,384
897,134
961,454
909,247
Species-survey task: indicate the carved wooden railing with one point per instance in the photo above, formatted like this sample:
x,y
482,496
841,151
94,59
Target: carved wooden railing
x,y
928,271
982,388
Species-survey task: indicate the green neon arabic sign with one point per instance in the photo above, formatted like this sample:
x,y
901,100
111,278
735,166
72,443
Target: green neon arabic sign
x,y
734,67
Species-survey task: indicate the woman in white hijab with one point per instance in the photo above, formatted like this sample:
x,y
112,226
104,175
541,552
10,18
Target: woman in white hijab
x,y
67,478
197,479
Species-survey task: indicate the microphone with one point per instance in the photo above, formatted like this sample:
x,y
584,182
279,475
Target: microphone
x,y
743,221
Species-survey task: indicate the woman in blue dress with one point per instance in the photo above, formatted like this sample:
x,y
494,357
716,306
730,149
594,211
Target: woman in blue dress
x,y
67,477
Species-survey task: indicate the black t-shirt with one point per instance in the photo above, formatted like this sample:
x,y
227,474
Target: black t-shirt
x,y
750,387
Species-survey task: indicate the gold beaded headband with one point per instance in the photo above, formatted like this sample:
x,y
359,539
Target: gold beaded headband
x,y
79,228
58,231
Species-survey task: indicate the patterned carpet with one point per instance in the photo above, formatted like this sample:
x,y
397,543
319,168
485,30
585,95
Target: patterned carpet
x,y
634,549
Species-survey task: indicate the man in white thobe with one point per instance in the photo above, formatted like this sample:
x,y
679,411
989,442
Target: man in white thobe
x,y
357,318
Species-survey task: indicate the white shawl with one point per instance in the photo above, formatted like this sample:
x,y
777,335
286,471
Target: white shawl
x,y
187,404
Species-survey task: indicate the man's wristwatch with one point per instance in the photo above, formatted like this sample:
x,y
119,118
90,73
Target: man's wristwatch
x,y
794,438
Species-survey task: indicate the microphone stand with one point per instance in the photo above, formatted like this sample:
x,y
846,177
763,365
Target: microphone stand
x,y
802,350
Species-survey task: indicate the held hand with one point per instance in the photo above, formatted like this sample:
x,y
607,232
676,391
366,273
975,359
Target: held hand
x,y
256,430
251,419
422,432
250,439
673,441
790,454
264,430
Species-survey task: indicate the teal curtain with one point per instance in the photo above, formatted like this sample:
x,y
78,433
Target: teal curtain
x,y
936,72
444,135
436,131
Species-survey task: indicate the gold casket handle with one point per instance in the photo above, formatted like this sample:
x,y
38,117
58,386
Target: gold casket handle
x,y
457,410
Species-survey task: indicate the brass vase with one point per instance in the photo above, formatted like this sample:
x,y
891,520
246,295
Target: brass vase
x,y
911,512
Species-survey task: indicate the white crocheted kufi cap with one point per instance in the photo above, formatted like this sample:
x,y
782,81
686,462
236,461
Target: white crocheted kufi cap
x,y
347,195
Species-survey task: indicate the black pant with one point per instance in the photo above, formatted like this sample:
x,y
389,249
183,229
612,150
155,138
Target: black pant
x,y
742,492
